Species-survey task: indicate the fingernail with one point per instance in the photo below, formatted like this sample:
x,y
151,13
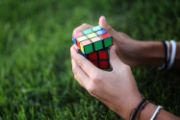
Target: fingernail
x,y
103,19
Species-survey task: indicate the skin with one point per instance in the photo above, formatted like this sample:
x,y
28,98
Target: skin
x,y
111,87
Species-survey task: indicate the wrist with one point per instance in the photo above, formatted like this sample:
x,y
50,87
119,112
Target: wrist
x,y
148,111
130,106
151,53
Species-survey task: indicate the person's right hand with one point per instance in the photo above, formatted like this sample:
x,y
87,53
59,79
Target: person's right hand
x,y
117,89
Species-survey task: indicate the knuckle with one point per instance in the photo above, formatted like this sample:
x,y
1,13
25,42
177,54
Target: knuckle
x,y
84,24
122,34
94,77
79,28
82,62
109,28
92,88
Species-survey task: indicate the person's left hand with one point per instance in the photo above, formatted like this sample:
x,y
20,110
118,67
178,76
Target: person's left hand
x,y
128,49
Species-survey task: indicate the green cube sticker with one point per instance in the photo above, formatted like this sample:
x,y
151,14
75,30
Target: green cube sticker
x,y
88,31
98,45
108,42
88,49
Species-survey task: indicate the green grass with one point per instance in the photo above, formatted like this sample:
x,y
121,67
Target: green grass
x,y
36,81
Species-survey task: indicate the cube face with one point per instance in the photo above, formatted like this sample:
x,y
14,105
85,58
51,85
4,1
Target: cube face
x,y
100,58
98,36
94,44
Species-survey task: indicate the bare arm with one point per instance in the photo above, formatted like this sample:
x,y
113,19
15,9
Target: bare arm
x,y
163,115
109,88
117,89
152,54
139,53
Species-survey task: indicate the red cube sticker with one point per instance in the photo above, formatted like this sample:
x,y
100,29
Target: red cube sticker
x,y
103,55
92,56
104,64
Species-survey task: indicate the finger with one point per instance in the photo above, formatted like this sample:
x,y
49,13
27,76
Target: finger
x,y
86,65
81,28
103,23
114,59
79,75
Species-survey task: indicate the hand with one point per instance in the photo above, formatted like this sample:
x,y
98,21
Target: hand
x,y
117,88
128,49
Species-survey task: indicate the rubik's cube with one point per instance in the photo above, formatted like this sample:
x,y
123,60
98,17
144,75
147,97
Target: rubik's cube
x,y
94,44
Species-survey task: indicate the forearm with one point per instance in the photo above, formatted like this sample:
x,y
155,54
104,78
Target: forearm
x,y
163,115
152,54
177,61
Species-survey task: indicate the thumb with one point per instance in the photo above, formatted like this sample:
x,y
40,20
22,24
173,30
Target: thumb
x,y
114,59
103,23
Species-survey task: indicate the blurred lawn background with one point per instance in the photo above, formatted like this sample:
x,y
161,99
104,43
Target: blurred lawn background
x,y
36,81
